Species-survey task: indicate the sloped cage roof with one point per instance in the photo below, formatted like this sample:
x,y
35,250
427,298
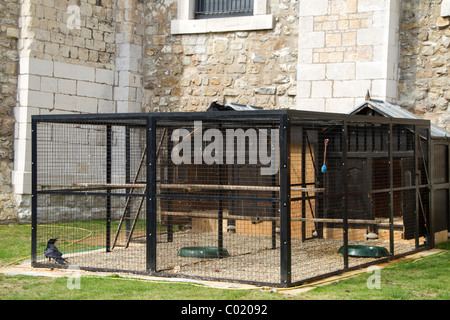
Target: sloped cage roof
x,y
386,109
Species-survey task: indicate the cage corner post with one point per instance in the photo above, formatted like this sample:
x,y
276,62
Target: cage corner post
x,y
151,195
431,192
391,187
416,183
33,191
345,190
108,191
127,180
285,202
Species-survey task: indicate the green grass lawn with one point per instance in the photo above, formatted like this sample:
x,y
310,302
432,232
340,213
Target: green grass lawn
x,y
420,279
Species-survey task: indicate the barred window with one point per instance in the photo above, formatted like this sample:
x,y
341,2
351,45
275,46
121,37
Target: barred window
x,y
205,16
205,9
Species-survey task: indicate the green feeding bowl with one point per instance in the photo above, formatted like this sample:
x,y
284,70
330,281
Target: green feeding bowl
x,y
365,251
203,252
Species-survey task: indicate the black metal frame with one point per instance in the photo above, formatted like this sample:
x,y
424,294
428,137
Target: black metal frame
x,y
284,118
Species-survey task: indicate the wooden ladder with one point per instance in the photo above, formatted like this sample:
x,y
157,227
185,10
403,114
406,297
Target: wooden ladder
x,y
127,203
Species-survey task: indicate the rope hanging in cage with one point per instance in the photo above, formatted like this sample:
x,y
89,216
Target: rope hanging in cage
x,y
324,167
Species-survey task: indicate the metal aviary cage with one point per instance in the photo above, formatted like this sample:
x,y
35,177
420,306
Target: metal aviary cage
x,y
264,197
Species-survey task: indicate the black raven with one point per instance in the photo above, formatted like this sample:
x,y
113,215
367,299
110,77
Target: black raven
x,y
52,252
214,106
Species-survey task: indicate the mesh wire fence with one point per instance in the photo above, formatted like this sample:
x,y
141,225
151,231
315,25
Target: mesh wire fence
x,y
81,172
219,209
260,197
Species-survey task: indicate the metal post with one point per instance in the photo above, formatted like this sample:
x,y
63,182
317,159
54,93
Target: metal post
x,y
274,210
431,242
151,195
220,217
303,169
170,179
417,182
33,192
448,186
108,181
285,204
345,190
127,177
391,192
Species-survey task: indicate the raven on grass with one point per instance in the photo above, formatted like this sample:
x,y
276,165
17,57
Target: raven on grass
x,y
52,252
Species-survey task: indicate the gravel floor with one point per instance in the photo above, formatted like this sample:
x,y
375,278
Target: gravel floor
x,y
251,257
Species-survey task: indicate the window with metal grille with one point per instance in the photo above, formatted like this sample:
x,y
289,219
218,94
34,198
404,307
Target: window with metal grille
x,y
205,9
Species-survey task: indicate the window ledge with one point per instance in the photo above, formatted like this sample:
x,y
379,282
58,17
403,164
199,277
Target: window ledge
x,y
244,23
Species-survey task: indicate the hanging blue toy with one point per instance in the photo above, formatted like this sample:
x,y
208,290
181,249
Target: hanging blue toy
x,y
324,167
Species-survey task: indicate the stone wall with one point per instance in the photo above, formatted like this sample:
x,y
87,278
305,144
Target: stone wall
x,y
346,47
73,32
424,85
9,34
187,72
75,57
121,56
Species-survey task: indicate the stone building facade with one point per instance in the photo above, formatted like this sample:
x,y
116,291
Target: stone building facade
x,y
186,70
108,56
349,47
424,62
9,66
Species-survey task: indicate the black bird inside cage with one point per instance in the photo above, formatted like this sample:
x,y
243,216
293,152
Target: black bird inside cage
x,y
52,252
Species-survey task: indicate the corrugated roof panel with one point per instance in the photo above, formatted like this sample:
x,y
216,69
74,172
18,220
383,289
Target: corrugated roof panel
x,y
394,111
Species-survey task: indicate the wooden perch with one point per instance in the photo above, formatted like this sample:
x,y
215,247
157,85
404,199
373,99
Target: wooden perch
x,y
192,186
213,215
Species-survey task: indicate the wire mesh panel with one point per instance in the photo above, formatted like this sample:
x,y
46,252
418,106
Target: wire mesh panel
x,y
353,191
218,199
88,191
422,227
316,197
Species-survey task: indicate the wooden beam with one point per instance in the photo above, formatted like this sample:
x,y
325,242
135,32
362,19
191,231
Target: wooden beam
x,y
329,220
213,214
193,186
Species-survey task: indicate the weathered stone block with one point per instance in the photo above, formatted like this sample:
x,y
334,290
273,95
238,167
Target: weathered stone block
x,y
340,71
313,8
49,84
75,72
67,86
75,103
350,88
266,90
370,36
321,89
38,99
36,66
371,70
96,90
311,72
